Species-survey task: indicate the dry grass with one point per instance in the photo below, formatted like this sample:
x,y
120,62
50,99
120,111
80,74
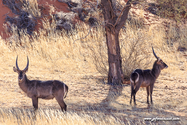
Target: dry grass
x,y
82,65
31,6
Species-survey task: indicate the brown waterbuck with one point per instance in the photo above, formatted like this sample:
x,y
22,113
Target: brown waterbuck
x,y
146,78
36,89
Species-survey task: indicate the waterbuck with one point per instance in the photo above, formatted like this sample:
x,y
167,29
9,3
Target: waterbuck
x,y
41,89
146,78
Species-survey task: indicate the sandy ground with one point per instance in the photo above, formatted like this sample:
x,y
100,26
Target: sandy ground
x,y
89,93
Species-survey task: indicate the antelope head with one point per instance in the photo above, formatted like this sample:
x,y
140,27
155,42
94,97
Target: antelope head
x,y
159,61
21,73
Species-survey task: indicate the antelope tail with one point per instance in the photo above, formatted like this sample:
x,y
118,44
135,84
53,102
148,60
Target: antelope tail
x,y
65,90
134,77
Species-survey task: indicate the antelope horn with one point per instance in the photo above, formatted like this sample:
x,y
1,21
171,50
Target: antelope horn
x,y
26,68
154,53
17,63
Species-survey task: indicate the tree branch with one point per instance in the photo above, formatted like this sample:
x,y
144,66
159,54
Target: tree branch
x,y
123,15
84,36
108,10
120,15
112,10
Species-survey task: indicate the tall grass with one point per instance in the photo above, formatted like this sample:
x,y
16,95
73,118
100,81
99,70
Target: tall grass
x,y
54,46
51,116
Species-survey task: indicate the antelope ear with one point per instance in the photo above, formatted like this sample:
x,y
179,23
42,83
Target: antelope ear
x,y
158,59
15,69
25,70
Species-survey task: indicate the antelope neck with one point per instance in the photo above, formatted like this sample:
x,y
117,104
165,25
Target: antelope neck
x,y
156,70
23,84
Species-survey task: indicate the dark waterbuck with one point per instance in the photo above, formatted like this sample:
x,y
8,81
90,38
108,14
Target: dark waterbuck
x,y
36,89
146,78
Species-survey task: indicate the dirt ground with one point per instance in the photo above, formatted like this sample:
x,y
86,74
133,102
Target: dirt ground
x,y
88,92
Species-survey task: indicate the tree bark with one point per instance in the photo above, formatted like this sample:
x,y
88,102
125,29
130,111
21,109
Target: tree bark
x,y
115,73
113,24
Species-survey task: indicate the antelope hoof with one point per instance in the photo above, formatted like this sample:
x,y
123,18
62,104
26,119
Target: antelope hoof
x,y
35,110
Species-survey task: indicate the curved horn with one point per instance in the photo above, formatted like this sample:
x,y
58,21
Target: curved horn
x,y
26,68
154,53
17,63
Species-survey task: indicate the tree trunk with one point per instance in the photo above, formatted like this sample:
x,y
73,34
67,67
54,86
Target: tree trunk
x,y
113,24
115,73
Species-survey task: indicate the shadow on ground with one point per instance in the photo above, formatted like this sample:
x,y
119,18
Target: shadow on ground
x,y
123,110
